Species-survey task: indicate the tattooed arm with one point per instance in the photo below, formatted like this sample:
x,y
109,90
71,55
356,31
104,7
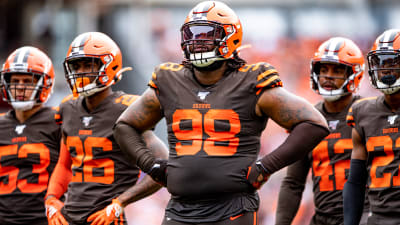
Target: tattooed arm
x,y
142,115
307,128
288,110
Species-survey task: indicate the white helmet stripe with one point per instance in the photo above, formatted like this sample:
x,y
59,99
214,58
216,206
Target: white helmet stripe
x,y
78,44
386,41
201,10
20,62
333,48
21,56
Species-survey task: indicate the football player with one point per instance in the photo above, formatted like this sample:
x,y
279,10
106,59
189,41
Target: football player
x,y
375,123
337,69
216,107
30,138
103,179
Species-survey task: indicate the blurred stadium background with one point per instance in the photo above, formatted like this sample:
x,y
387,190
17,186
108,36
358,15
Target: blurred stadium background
x,y
284,33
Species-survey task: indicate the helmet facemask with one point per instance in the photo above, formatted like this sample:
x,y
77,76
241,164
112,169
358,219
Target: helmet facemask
x,y
204,42
16,93
384,70
334,94
87,75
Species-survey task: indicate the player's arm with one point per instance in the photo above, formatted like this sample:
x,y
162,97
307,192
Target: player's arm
x,y
144,188
61,175
354,188
307,128
58,185
291,191
140,116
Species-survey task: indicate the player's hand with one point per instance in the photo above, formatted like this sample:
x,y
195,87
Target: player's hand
x,y
53,207
108,214
159,171
257,175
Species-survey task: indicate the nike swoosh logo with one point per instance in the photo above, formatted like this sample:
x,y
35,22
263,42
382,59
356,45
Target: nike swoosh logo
x,y
235,217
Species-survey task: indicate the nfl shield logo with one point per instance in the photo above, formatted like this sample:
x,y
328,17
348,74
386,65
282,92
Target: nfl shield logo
x,y
86,120
392,119
333,124
20,128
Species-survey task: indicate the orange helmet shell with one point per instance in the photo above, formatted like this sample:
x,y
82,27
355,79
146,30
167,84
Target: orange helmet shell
x,y
218,12
344,51
30,60
97,45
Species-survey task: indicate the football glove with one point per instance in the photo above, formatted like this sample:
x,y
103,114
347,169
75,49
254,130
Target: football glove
x,y
159,171
53,207
108,214
257,175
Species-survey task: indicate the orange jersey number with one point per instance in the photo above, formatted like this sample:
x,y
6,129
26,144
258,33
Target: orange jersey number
x,y
379,162
323,168
84,159
205,126
11,172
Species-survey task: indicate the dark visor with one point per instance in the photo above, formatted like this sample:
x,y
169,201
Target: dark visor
x,y
384,60
202,32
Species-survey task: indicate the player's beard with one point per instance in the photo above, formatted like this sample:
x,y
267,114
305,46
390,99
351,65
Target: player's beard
x,y
213,66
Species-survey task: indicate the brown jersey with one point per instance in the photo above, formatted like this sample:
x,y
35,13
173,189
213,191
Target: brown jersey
x,y
100,171
28,154
330,163
214,135
378,127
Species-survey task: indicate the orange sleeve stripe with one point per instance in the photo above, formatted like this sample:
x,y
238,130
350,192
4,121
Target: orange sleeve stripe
x,y
350,121
67,98
61,175
266,73
152,84
267,82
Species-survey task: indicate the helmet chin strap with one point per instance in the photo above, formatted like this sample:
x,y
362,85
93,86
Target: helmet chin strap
x,y
388,89
332,98
23,106
213,66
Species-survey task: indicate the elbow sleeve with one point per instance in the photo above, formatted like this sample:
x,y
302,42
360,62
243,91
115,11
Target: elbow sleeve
x,y
354,192
132,144
303,139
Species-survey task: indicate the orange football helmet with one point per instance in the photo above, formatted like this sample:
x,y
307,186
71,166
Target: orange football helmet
x,y
338,50
211,32
384,62
27,60
99,49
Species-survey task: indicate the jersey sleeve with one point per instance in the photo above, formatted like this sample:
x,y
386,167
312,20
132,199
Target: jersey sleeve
x,y
267,76
61,175
126,99
163,70
354,114
58,109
